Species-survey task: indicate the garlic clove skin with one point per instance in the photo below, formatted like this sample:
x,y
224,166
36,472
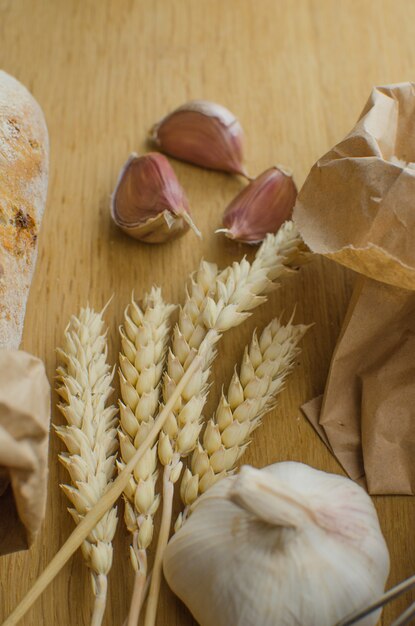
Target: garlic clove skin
x,y
148,202
261,207
284,545
203,133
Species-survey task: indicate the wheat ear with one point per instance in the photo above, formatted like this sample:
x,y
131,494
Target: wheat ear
x,y
84,385
215,303
144,337
266,363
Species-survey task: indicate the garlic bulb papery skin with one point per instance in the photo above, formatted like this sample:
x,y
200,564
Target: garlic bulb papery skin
x,y
261,207
203,133
148,202
283,546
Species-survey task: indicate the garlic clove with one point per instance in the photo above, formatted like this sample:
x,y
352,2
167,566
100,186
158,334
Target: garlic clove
x,y
148,202
203,133
261,207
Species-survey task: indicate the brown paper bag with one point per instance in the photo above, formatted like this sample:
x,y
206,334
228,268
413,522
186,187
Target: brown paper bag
x,y
357,207
24,431
367,415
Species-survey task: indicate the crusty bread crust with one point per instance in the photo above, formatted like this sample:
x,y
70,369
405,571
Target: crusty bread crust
x,y
24,160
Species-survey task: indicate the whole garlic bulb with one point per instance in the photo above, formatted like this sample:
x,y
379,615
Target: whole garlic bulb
x,y
283,546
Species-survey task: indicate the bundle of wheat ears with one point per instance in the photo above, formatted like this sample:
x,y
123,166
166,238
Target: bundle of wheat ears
x,y
152,376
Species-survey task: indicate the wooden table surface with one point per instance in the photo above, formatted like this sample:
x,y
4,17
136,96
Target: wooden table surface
x,y
297,73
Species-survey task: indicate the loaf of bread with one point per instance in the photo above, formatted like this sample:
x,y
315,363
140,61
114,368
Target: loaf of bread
x,y
24,387
24,158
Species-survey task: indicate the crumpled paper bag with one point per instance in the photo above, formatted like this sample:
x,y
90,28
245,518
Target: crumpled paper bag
x,y
357,207
24,430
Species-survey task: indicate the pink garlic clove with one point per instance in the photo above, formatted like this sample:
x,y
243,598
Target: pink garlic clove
x,y
148,202
261,207
202,133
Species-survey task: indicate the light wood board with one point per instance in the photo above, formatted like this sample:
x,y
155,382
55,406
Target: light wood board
x,y
297,73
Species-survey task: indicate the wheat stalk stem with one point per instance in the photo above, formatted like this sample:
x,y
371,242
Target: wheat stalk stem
x,y
139,583
100,600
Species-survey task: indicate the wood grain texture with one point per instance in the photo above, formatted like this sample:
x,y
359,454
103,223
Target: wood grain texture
x,y
297,73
